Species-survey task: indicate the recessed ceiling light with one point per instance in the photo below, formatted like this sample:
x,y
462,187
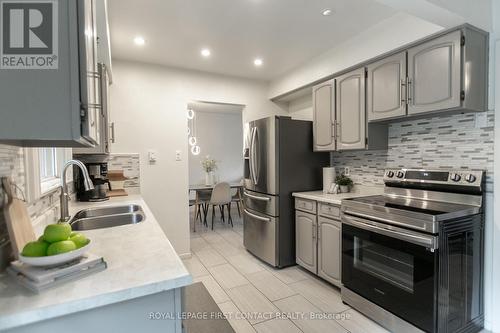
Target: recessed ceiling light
x,y
205,52
327,12
258,62
139,41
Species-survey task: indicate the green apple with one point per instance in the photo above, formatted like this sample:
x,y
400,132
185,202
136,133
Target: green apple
x,y
61,247
35,249
40,239
79,239
57,232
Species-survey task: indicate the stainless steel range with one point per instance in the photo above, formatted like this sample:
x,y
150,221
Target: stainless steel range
x,y
412,258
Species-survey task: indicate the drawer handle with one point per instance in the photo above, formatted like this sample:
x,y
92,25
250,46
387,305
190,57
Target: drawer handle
x,y
256,197
257,217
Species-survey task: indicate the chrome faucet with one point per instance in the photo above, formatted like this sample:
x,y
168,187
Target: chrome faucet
x,y
87,183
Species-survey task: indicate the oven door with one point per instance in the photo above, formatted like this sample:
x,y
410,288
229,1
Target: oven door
x,y
391,268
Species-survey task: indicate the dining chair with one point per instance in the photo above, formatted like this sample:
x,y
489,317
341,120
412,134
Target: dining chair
x,y
237,198
221,196
201,206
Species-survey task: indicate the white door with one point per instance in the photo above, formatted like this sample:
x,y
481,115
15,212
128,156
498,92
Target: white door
x,y
324,116
350,110
386,88
434,74
305,240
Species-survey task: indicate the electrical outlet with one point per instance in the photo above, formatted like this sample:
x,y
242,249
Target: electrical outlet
x,y
178,155
347,171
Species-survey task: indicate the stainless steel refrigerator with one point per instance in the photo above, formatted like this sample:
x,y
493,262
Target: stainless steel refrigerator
x,y
279,160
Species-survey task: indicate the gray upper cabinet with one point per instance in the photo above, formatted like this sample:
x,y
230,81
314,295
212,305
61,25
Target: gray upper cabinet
x,y
56,107
350,110
386,88
105,134
324,116
305,240
434,74
329,250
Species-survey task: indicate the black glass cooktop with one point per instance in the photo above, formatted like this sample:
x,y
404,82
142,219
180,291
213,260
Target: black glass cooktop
x,y
412,205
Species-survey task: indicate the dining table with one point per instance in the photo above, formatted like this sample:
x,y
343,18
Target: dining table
x,y
198,188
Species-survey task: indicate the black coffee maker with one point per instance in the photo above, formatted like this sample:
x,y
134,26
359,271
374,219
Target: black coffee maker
x,y
99,175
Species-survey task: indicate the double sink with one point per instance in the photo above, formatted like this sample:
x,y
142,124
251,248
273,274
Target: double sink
x,y
106,217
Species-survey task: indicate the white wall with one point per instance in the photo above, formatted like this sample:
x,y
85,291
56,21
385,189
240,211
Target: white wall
x,y
148,106
219,135
389,34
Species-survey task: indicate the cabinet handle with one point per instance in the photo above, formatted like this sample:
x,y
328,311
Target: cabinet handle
x,y
408,90
403,91
314,231
112,126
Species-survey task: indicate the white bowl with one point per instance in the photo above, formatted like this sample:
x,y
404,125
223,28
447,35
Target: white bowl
x,y
57,259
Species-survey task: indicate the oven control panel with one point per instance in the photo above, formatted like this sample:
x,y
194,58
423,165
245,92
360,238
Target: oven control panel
x,y
451,177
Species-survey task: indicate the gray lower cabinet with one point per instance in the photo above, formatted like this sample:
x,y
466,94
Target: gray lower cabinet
x,y
318,239
305,240
350,110
329,250
324,116
386,88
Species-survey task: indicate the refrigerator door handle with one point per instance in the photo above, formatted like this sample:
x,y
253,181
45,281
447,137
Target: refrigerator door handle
x,y
255,160
250,155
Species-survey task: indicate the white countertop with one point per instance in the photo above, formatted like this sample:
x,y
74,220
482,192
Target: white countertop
x,y
357,191
141,261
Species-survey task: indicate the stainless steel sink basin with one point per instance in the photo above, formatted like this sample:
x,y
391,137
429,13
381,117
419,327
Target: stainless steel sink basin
x,y
106,217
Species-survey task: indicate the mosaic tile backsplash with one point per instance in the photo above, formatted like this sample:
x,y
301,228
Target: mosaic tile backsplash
x,y
130,164
441,142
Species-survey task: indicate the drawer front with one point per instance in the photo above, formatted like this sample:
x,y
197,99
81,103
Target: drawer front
x,y
329,210
305,205
262,203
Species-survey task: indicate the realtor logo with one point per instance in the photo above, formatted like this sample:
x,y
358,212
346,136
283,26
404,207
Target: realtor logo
x,y
28,34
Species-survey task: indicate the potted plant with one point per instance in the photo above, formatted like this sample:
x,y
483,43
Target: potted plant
x,y
344,183
209,165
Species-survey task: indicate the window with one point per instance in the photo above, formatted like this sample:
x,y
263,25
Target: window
x,y
44,170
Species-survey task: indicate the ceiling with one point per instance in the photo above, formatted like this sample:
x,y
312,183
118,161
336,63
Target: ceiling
x,y
284,33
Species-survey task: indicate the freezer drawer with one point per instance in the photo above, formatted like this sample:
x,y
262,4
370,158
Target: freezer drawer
x,y
259,233
262,203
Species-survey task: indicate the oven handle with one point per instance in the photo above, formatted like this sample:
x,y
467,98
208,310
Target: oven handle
x,y
428,241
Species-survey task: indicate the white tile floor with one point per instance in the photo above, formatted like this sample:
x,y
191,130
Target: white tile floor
x,y
241,284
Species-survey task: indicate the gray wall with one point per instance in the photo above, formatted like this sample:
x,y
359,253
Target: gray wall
x,y
219,135
439,142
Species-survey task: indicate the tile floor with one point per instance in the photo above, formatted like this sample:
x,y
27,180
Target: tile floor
x,y
241,284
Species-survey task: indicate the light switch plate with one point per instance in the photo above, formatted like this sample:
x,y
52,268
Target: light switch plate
x,y
152,156
347,171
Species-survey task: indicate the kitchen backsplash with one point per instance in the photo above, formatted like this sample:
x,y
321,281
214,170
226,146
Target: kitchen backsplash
x,y
459,141
130,164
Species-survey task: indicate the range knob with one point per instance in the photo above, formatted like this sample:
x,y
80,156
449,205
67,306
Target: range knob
x,y
455,177
400,174
390,174
470,178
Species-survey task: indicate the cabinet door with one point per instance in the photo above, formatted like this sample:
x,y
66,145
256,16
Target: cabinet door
x,y
88,69
350,110
434,74
329,250
324,116
385,86
305,240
